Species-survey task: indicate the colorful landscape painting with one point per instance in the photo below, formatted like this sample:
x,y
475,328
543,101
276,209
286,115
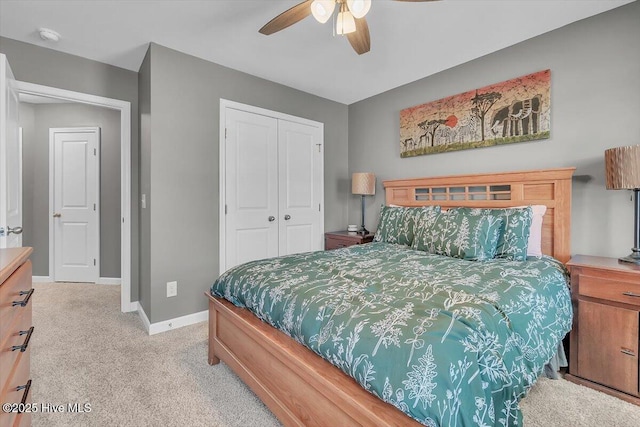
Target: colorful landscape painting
x,y
516,110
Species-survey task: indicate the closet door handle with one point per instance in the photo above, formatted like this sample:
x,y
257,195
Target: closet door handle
x,y
57,215
272,218
287,217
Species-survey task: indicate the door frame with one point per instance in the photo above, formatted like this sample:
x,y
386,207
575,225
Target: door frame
x,y
224,104
52,132
126,305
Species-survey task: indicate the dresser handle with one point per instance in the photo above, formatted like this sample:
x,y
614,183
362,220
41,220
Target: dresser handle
x,y
627,352
631,294
24,346
26,388
25,301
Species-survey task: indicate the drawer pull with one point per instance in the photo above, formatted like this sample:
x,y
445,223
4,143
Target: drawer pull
x,y
25,301
627,352
24,346
26,388
631,294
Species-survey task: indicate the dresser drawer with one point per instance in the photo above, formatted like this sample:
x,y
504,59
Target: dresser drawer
x,y
15,289
611,290
16,335
14,391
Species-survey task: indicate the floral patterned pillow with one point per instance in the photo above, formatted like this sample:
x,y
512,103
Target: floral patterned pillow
x,y
514,235
458,234
397,223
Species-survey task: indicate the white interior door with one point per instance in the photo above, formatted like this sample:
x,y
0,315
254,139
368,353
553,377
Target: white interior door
x,y
75,211
251,178
10,161
300,187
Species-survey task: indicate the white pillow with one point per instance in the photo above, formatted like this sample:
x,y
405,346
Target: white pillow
x,y
534,245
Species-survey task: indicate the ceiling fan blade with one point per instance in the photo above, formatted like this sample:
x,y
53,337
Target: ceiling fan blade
x,y
360,40
287,18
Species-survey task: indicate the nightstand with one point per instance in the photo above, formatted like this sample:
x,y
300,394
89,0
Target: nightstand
x,y
343,239
604,340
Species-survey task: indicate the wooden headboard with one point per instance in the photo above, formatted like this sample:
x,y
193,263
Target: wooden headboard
x,y
549,187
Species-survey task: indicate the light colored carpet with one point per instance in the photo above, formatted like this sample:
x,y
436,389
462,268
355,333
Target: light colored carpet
x,y
85,351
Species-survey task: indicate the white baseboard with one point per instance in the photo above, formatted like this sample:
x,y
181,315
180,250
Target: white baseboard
x,y
109,281
167,325
143,317
100,281
133,306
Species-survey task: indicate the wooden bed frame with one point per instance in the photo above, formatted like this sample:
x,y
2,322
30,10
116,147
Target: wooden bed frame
x,y
300,387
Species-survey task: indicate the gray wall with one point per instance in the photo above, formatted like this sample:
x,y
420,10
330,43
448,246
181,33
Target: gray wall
x,y
36,119
595,88
144,98
183,177
47,67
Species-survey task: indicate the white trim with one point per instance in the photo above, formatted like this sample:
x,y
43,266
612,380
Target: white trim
x,y
224,104
143,316
96,249
42,279
167,325
125,170
109,281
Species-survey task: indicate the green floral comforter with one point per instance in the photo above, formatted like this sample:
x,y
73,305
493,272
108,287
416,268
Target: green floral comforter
x,y
449,342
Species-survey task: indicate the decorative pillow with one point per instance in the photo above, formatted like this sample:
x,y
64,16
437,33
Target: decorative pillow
x,y
390,225
514,235
458,234
397,223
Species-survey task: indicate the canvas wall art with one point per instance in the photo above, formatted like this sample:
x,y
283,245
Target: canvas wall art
x,y
516,110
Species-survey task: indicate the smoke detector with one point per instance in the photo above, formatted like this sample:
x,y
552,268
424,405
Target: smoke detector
x,y
49,35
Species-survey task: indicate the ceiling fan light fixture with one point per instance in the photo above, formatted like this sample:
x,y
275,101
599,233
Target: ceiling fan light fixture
x,y
322,10
359,8
345,23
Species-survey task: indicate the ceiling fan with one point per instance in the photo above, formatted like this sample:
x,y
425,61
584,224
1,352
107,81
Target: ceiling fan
x,y
349,21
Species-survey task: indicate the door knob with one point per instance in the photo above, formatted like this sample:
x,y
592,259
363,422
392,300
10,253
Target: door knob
x,y
57,215
14,230
287,217
272,218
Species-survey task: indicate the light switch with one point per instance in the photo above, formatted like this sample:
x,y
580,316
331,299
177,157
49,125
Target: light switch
x,y
143,201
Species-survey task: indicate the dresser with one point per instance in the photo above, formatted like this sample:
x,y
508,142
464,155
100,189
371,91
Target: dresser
x,y
343,239
604,339
16,327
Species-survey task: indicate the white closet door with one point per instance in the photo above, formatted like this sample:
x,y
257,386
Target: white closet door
x,y
10,161
300,182
251,187
76,177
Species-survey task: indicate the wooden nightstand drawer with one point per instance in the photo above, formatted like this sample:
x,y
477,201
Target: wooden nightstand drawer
x,y
344,239
609,358
611,290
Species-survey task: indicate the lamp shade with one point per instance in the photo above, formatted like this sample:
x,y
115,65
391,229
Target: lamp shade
x,y
322,10
622,167
363,183
345,24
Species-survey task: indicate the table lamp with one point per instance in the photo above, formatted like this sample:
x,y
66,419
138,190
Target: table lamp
x,y
622,166
363,184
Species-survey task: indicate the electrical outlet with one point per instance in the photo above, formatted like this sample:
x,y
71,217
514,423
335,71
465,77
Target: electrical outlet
x,y
172,289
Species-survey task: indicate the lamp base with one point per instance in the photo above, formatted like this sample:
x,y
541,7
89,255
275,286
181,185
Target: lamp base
x,y
363,231
633,258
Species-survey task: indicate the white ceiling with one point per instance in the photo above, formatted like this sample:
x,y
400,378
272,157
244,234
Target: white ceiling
x,y
409,41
